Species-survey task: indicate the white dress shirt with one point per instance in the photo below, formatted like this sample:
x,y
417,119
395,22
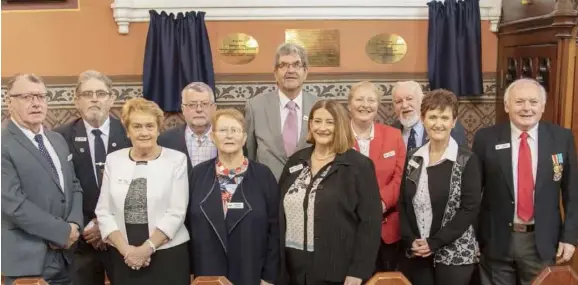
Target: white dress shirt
x,y
283,100
419,133
533,144
201,148
30,135
364,142
105,129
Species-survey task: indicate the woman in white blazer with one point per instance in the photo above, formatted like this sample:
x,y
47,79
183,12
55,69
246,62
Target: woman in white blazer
x,y
143,203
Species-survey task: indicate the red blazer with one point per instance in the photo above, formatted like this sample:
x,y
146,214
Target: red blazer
x,y
387,151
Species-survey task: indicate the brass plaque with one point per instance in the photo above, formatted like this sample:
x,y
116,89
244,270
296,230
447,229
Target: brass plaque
x,y
386,48
322,45
238,49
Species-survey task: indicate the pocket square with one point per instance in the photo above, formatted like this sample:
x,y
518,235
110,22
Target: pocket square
x,y
69,157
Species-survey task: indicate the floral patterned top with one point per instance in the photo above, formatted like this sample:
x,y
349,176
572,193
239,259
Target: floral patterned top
x,y
229,180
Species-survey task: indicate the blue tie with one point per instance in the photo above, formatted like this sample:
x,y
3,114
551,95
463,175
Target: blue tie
x,y
411,144
44,152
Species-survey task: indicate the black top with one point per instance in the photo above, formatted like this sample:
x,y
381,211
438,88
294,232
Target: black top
x,y
347,217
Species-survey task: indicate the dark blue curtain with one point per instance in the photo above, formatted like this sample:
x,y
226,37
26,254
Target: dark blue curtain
x,y
177,52
455,46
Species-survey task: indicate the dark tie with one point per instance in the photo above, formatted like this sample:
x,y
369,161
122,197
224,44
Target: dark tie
x,y
99,154
525,180
411,140
38,138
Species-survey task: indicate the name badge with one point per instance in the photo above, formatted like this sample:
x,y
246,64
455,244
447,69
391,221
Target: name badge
x,y
80,139
413,164
389,154
502,146
305,118
69,157
236,205
295,168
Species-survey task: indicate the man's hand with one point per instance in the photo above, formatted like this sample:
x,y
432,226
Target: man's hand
x,y
92,235
349,280
263,282
565,252
74,235
100,245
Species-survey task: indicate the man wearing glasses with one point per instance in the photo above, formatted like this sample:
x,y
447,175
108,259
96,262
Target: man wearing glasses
x,y
41,197
192,138
277,121
90,138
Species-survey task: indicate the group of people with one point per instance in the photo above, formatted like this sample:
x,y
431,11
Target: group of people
x,y
297,190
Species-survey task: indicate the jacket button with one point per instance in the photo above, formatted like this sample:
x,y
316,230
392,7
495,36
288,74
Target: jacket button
x,y
512,202
510,224
62,201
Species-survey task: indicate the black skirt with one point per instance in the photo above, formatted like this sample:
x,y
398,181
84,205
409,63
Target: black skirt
x,y
168,266
300,268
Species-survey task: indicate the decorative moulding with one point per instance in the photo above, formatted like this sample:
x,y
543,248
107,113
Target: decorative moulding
x,y
130,11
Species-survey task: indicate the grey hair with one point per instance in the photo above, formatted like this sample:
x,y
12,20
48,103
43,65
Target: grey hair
x,y
291,48
28,76
93,74
201,87
513,85
413,86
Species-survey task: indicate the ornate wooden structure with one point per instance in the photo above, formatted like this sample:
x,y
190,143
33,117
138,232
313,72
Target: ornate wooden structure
x,y
388,278
539,40
556,275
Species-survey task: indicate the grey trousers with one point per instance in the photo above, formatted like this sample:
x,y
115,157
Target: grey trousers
x,y
56,271
520,266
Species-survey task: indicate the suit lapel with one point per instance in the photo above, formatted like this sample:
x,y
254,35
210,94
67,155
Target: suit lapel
x,y
505,156
234,216
544,157
424,137
308,101
375,145
211,206
274,120
82,148
61,154
116,136
27,144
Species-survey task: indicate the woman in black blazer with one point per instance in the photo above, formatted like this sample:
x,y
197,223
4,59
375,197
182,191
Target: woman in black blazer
x,y
439,201
233,210
330,217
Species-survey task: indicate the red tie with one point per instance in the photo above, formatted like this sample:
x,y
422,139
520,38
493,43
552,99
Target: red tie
x,y
525,180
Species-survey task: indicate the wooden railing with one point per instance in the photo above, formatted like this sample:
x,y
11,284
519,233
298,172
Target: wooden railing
x,y
554,275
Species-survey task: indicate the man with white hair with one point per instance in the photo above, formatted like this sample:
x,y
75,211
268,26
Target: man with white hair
x,y
407,96
192,138
526,166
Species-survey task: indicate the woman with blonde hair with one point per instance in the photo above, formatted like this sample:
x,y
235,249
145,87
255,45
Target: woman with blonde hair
x,y
330,206
233,212
143,203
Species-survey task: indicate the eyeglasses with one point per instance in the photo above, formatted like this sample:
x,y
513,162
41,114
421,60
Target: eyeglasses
x,y
100,94
286,65
28,97
195,105
233,131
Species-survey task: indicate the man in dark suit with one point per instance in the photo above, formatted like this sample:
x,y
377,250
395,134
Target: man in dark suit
x,y
407,96
90,138
192,138
41,197
526,166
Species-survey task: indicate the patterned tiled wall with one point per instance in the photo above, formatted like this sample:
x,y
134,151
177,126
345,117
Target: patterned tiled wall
x,y
474,112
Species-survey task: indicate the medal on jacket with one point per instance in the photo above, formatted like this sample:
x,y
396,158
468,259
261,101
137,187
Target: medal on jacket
x,y
558,168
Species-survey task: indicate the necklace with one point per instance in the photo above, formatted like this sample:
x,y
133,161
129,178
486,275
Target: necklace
x,y
331,155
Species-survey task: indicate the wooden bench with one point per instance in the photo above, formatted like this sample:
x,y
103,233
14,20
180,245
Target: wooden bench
x,y
557,275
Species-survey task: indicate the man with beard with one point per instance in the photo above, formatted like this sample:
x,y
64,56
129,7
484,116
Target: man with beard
x,y
90,138
192,138
41,197
526,166
407,96
277,122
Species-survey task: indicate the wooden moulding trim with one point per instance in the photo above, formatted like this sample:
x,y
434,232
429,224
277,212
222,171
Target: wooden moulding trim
x,y
69,5
266,77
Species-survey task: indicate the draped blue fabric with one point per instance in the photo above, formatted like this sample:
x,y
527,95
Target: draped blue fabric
x,y
177,52
455,46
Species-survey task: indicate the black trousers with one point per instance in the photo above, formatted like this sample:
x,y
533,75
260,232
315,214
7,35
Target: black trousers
x,y
520,266
300,268
388,257
91,265
421,271
57,270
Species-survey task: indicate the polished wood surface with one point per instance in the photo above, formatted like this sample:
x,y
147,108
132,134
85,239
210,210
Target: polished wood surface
x,y
388,278
516,10
211,280
557,275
